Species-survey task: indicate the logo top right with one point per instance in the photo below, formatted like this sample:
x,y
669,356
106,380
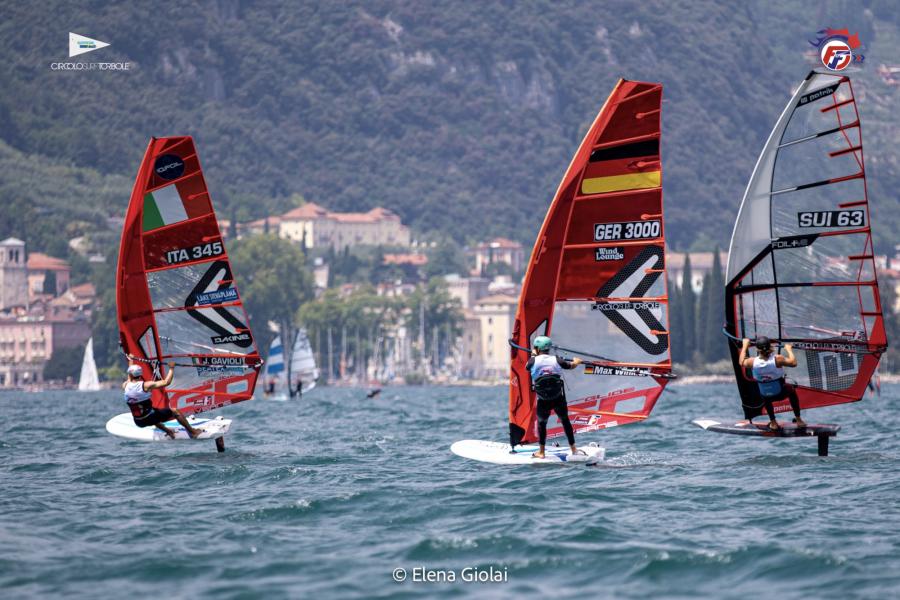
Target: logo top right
x,y
837,48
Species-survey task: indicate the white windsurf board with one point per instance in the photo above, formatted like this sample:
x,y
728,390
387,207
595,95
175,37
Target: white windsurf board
x,y
500,454
123,426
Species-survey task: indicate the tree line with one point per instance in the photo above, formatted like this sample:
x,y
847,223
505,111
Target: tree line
x,y
696,319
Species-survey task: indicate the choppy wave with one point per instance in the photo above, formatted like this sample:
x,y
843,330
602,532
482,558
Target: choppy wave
x,y
328,496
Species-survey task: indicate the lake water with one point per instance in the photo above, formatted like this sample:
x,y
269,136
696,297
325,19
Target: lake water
x,y
327,497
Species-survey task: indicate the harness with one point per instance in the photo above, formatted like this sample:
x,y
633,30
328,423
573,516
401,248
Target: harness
x,y
139,401
546,378
768,375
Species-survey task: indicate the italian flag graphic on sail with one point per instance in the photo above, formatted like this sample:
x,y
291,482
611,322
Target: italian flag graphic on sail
x,y
165,206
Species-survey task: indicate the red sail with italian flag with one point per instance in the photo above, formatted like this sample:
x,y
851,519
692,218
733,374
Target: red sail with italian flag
x,y
596,281
176,296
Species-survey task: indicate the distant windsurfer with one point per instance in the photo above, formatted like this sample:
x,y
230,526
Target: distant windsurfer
x,y
768,372
138,397
546,380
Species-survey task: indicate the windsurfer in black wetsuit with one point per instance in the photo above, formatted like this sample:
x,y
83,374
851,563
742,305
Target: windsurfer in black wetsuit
x,y
138,397
546,380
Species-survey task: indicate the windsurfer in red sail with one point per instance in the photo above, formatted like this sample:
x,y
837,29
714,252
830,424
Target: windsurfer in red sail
x,y
546,380
138,396
768,372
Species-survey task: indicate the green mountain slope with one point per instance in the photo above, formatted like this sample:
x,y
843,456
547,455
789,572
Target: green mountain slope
x,y
461,117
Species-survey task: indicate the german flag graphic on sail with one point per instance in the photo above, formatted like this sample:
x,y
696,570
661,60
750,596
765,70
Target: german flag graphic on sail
x,y
632,166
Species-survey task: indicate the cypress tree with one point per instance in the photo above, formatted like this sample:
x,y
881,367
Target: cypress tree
x,y
676,327
688,310
232,225
703,320
716,346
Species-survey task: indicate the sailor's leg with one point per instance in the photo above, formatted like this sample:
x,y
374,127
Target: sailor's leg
x,y
770,410
166,430
795,404
562,413
543,414
182,420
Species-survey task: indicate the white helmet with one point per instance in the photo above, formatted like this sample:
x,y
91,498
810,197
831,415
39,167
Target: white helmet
x,y
135,370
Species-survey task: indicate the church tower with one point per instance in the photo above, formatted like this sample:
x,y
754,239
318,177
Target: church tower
x,y
13,274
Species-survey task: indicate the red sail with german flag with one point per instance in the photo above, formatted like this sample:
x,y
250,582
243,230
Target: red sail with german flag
x,y
596,280
176,296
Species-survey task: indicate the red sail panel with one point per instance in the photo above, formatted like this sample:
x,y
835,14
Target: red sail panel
x,y
596,280
176,297
801,265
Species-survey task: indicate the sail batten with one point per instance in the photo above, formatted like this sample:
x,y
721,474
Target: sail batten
x,y
801,262
596,279
176,297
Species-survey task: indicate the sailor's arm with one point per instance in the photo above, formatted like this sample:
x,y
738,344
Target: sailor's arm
x,y
787,361
158,385
742,357
568,364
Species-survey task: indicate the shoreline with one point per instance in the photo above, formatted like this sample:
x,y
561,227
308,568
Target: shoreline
x,y
696,379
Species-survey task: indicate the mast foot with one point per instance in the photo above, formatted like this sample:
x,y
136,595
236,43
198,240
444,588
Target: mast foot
x,y
823,444
220,445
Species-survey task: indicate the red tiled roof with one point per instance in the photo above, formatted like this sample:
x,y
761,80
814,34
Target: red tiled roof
x,y
498,299
406,259
85,290
273,222
499,243
310,210
42,262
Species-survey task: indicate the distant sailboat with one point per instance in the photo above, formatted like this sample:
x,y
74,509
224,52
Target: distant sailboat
x,y
89,381
303,363
302,368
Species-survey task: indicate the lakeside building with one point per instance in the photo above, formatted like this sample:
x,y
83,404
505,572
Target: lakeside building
x,y
498,250
467,290
34,324
490,323
28,342
314,226
40,267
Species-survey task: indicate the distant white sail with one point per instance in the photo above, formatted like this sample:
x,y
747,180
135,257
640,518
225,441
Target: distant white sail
x,y
303,363
89,381
274,375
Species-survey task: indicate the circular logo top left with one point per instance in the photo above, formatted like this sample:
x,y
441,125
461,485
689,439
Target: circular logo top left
x,y
169,166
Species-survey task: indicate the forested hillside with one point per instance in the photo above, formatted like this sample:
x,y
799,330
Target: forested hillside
x,y
459,116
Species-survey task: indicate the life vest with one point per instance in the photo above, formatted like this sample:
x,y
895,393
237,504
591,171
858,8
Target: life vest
x,y
546,377
545,364
768,375
139,400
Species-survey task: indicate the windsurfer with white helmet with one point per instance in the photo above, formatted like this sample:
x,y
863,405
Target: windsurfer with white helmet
x,y
138,397
546,380
768,372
